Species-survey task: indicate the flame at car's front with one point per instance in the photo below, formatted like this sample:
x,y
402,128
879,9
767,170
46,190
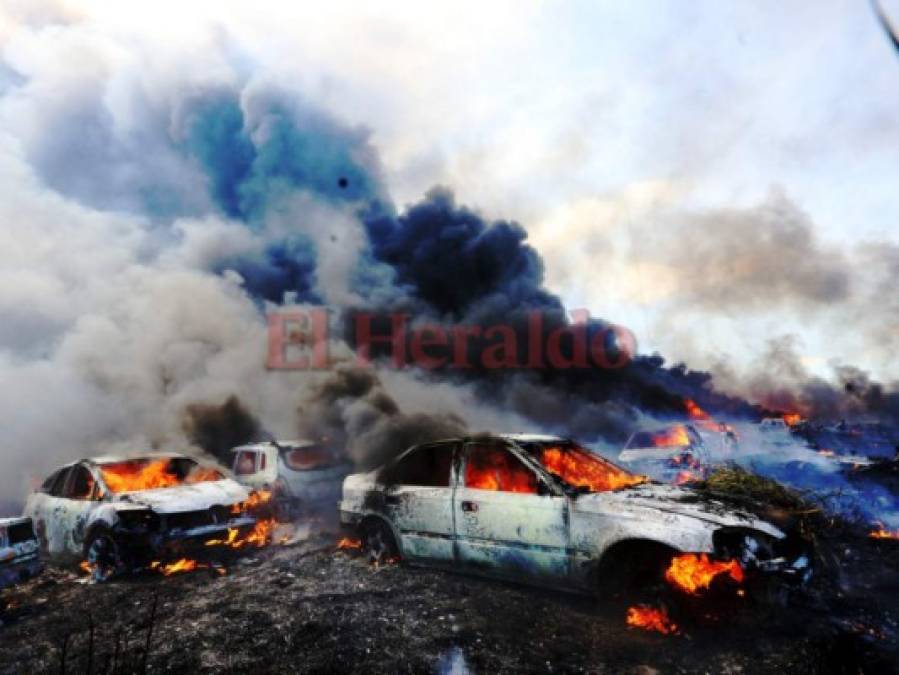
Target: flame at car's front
x,y
692,573
149,474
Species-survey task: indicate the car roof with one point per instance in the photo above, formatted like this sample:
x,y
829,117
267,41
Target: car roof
x,y
301,443
108,459
515,438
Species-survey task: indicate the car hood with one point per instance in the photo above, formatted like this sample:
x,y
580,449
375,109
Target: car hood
x,y
672,499
188,497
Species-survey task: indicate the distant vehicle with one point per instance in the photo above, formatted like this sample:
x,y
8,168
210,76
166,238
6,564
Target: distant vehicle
x,y
675,453
542,509
19,559
302,474
776,430
118,513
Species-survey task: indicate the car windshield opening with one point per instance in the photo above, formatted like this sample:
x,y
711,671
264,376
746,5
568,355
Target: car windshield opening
x,y
580,468
149,473
672,437
307,457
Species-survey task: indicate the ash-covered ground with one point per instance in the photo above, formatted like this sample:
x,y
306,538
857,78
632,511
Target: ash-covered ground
x,y
312,609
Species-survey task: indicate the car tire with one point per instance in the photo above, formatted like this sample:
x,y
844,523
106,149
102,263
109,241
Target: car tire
x,y
104,556
379,543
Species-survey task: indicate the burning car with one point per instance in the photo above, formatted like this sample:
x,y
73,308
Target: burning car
x,y
300,474
18,551
119,513
673,454
544,509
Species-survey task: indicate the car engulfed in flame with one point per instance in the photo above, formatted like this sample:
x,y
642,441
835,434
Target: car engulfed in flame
x,y
673,454
156,511
546,510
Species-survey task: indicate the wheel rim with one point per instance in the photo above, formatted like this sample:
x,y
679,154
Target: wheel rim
x,y
378,544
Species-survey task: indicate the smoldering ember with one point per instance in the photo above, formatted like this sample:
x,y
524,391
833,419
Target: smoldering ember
x,y
449,338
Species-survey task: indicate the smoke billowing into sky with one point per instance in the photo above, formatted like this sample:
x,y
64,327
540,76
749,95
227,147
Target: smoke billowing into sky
x,y
164,184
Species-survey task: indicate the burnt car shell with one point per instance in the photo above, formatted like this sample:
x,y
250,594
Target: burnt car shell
x,y
554,533
75,505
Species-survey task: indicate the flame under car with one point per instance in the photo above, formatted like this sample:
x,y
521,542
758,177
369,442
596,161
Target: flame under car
x,y
542,509
118,513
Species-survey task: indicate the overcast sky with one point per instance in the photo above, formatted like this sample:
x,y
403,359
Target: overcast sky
x,y
711,174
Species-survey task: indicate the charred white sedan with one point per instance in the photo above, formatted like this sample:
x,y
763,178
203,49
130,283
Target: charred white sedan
x,y
119,513
543,509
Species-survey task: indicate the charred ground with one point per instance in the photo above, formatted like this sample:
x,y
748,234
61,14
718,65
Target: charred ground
x,y
309,608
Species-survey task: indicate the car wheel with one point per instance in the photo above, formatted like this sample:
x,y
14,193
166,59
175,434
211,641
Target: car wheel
x,y
634,569
378,542
104,556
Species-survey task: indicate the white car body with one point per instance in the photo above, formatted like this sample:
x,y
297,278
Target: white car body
x,y
299,472
160,518
555,535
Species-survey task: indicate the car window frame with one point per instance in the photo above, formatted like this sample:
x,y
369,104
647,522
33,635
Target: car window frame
x,y
237,453
48,483
67,488
544,488
384,474
58,488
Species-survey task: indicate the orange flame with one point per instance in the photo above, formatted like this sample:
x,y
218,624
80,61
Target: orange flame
x,y
676,436
684,477
347,542
128,476
579,469
692,573
256,499
649,618
183,565
496,469
699,416
792,419
259,536
882,533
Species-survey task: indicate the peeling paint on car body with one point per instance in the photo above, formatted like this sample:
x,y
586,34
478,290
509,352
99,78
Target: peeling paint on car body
x,y
553,535
151,519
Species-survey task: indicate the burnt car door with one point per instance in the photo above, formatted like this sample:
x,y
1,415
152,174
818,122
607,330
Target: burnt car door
x,y
418,499
79,497
509,519
49,504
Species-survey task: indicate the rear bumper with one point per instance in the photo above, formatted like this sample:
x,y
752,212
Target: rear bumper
x,y
17,571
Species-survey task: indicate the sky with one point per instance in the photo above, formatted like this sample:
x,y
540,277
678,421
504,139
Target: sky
x,y
712,175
